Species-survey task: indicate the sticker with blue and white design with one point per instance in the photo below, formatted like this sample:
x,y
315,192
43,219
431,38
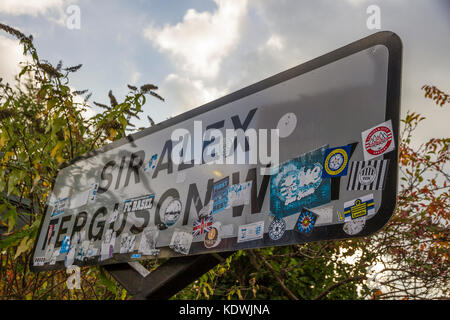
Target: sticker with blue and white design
x,y
252,231
359,207
298,184
276,229
65,247
220,195
335,162
239,194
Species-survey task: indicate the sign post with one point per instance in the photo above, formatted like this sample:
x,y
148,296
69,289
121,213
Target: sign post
x,y
309,154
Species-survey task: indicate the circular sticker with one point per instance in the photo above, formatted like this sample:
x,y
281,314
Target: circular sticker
x,y
276,229
286,125
212,238
336,161
306,222
367,175
378,140
355,226
172,212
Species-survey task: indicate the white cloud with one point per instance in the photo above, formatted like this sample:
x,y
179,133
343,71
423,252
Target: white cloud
x,y
12,54
202,40
29,7
184,94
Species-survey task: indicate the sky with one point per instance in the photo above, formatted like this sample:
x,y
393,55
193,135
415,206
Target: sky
x,y
196,51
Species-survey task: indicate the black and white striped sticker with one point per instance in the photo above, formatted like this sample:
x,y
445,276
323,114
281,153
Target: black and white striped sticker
x,y
367,175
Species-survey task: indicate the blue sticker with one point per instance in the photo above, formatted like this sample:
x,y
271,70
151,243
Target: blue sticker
x,y
135,256
306,221
335,162
299,184
65,247
220,195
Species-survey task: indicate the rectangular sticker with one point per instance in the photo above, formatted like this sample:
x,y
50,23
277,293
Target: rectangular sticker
x,y
378,140
359,207
252,231
60,206
138,203
181,242
367,175
299,184
239,194
220,195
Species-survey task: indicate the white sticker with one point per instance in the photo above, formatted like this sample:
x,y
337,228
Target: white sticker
x,y
239,194
287,124
252,231
378,140
93,192
325,214
79,199
181,241
39,261
127,243
54,257
354,226
149,237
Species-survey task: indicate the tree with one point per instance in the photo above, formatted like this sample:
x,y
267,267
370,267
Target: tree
x,y
42,126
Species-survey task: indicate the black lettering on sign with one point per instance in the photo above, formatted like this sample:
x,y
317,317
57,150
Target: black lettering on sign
x,y
166,165
77,226
134,167
62,231
106,177
193,196
100,224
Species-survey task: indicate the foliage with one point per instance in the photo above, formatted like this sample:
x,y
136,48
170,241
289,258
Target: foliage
x,y
43,124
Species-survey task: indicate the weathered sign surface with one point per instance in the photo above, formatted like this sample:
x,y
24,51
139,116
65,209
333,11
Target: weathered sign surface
x,y
309,154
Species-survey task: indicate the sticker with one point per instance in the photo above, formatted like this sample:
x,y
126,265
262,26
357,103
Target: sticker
x,y
65,247
202,225
92,251
212,238
335,162
359,207
206,210
127,242
306,221
172,212
354,226
49,252
286,125
220,195
114,215
324,214
340,216
139,203
252,231
50,233
299,184
54,257
277,228
227,147
367,175
239,194
181,241
39,261
378,140
93,192
60,206
78,200
151,163
107,246
149,237
82,250
135,256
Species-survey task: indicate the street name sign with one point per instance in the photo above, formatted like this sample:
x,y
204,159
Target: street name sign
x,y
309,154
